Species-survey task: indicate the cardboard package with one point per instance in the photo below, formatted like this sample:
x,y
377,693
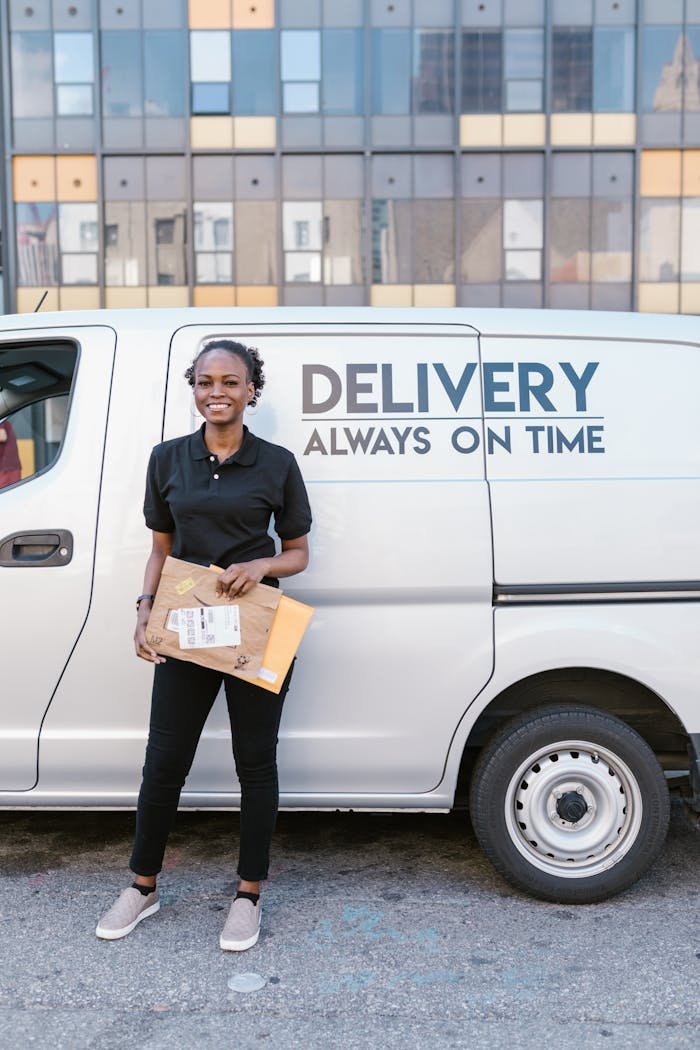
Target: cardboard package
x,y
271,625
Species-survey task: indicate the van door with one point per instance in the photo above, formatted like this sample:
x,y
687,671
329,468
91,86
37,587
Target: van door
x,y
385,422
54,397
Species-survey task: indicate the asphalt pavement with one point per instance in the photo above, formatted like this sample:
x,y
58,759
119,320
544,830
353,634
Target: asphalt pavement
x,y
387,931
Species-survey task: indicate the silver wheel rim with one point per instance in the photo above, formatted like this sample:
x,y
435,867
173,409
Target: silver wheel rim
x,y
579,770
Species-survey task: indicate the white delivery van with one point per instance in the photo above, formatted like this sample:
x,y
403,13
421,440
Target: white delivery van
x,y
505,568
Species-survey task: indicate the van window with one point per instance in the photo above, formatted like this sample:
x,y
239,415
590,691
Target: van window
x,y
35,386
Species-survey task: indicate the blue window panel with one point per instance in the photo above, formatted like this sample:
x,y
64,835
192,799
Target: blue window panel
x,y
73,58
662,69
613,70
343,71
300,98
164,61
74,100
254,72
210,99
301,54
572,70
122,94
391,71
482,72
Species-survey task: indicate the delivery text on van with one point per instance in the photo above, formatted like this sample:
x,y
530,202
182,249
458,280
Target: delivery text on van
x,y
369,393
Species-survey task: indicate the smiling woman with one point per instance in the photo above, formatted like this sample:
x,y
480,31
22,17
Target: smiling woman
x,y
210,497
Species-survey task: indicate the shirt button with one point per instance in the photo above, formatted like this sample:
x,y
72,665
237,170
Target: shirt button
x,y
212,458
216,477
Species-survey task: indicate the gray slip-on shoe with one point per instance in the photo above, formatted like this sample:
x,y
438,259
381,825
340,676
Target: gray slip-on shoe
x,y
242,927
128,910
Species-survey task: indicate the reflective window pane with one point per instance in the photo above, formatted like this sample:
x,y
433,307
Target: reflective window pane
x,y
210,55
300,98
391,71
662,69
213,226
611,240
254,72
301,54
166,237
482,241
659,240
690,242
121,74
125,244
524,54
572,70
79,269
570,223
77,226
302,266
392,242
342,249
301,225
210,99
522,224
613,70
32,79
37,244
213,268
523,96
691,94
74,100
433,71
73,61
256,242
523,266
343,71
164,61
482,72
434,245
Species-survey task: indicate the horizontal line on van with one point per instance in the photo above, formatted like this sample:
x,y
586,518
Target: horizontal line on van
x,y
393,481
396,418
545,419
556,594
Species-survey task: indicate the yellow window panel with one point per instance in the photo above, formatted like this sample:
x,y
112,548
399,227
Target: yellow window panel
x,y
660,173
434,295
34,178
28,300
254,132
481,129
524,129
660,298
257,295
391,295
168,295
571,129
690,298
76,178
691,173
211,132
214,295
125,298
253,14
210,14
79,298
614,129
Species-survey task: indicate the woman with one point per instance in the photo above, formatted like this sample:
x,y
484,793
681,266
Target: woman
x,y
209,499
10,466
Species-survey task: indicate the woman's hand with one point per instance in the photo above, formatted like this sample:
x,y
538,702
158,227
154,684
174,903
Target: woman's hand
x,y
142,647
240,578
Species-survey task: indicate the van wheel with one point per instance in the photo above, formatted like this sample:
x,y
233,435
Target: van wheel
x,y
569,804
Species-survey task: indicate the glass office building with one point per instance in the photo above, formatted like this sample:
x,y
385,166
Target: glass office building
x,y
385,152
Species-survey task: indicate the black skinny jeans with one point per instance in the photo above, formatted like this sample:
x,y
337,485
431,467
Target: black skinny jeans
x,y
183,695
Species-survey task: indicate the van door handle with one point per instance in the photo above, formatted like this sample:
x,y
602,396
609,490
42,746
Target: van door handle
x,y
27,549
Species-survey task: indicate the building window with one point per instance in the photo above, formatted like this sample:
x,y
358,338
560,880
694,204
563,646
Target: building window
x,y
74,73
523,69
213,242
482,72
210,71
301,70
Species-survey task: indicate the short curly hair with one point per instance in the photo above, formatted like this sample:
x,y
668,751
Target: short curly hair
x,y
248,354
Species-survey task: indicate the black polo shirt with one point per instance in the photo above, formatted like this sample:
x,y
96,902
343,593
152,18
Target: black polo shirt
x,y
219,513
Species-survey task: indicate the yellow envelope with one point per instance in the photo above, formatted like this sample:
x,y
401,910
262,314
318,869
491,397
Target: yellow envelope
x,y
288,627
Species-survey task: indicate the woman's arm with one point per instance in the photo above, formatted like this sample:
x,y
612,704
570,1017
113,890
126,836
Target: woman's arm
x,y
240,578
160,549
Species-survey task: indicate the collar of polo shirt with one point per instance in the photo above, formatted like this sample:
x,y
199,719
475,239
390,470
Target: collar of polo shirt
x,y
245,457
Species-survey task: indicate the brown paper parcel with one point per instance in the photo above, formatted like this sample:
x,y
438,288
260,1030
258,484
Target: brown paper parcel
x,y
184,585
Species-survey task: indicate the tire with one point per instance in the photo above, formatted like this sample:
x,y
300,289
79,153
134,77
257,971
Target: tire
x,y
569,804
